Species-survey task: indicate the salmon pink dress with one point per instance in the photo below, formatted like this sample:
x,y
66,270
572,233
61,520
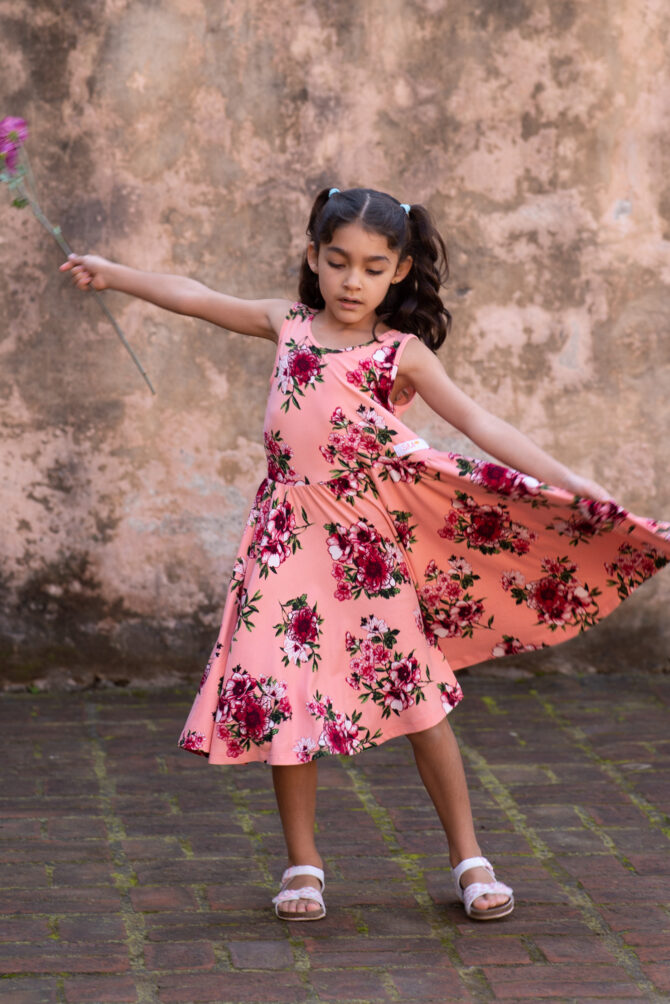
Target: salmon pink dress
x,y
373,566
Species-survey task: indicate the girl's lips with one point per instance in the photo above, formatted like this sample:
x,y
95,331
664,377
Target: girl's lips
x,y
347,302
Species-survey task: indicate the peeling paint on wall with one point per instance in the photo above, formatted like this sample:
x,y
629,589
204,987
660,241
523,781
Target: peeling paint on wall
x,y
191,137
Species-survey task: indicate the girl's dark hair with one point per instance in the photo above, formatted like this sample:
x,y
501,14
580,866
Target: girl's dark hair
x,y
411,305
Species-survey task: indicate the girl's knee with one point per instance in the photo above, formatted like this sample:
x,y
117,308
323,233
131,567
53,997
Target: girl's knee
x,y
428,736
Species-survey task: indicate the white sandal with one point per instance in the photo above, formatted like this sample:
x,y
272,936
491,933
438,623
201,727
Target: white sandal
x,y
306,892
473,891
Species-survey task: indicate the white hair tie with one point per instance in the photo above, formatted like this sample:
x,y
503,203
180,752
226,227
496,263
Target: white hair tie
x,y
406,207
333,191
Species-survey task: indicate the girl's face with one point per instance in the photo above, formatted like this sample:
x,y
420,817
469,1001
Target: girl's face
x,y
355,270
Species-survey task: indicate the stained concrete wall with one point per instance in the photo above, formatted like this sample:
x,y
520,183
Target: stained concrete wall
x,y
191,137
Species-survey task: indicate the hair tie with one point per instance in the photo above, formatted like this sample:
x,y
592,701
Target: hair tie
x,y
406,207
333,191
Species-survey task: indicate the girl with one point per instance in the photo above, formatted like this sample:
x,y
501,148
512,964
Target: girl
x,y
372,565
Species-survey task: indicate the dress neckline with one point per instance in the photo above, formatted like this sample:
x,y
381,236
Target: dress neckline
x,y
345,348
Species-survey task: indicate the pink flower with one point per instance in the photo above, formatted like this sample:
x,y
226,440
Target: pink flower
x,y
274,552
450,696
343,591
340,736
253,718
303,365
339,544
303,749
374,625
13,134
234,747
511,646
448,531
238,686
337,416
551,598
512,579
284,707
304,625
281,522
374,571
396,698
192,741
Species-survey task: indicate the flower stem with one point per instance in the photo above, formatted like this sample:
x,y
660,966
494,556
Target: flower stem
x,y
63,245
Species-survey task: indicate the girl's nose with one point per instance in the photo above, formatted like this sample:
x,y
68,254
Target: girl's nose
x,y
352,280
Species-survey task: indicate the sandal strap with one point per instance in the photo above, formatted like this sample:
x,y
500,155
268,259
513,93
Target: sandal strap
x,y
308,892
294,870
466,865
477,889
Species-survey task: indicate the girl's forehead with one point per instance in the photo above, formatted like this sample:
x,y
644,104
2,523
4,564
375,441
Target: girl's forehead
x,y
356,239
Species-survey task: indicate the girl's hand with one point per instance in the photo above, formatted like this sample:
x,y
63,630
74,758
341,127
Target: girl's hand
x,y
588,489
87,271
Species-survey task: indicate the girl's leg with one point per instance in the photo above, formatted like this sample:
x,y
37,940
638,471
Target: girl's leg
x,y
295,789
439,761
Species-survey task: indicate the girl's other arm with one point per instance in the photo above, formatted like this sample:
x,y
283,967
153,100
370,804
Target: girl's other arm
x,y
261,318
420,367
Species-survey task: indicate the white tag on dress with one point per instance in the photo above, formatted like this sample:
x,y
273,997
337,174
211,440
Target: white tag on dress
x,y
409,446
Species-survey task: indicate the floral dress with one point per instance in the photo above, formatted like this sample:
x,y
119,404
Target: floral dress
x,y
373,566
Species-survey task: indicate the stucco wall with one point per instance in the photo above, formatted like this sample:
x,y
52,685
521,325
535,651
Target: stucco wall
x,y
191,137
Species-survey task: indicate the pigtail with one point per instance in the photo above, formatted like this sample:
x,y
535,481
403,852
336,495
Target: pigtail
x,y
415,304
308,288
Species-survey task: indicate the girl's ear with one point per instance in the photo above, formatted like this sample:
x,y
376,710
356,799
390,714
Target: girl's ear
x,y
312,257
403,269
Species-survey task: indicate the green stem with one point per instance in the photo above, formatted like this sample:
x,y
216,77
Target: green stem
x,y
63,245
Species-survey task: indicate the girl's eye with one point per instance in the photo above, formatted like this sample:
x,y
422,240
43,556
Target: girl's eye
x,y
335,264
371,271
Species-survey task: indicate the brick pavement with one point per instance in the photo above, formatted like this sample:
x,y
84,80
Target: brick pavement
x,y
133,872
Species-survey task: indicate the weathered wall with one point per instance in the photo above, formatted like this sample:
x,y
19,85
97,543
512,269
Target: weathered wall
x,y
188,136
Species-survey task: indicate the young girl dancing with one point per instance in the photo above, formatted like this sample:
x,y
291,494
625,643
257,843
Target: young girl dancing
x,y
372,566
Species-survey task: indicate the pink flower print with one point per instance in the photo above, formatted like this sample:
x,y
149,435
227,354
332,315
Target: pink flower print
x,y
343,591
551,598
450,695
362,534
633,567
347,486
374,570
253,718
460,565
505,480
303,749
297,370
275,689
511,646
192,741
281,522
234,747
340,736
273,553
511,579
373,625
318,708
283,376
303,366
238,686
339,544
337,416
356,377
448,531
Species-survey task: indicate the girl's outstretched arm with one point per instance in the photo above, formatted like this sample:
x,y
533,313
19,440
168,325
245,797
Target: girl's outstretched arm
x,y
421,368
261,318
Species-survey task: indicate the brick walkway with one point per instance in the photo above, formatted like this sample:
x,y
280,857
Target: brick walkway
x,y
135,872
